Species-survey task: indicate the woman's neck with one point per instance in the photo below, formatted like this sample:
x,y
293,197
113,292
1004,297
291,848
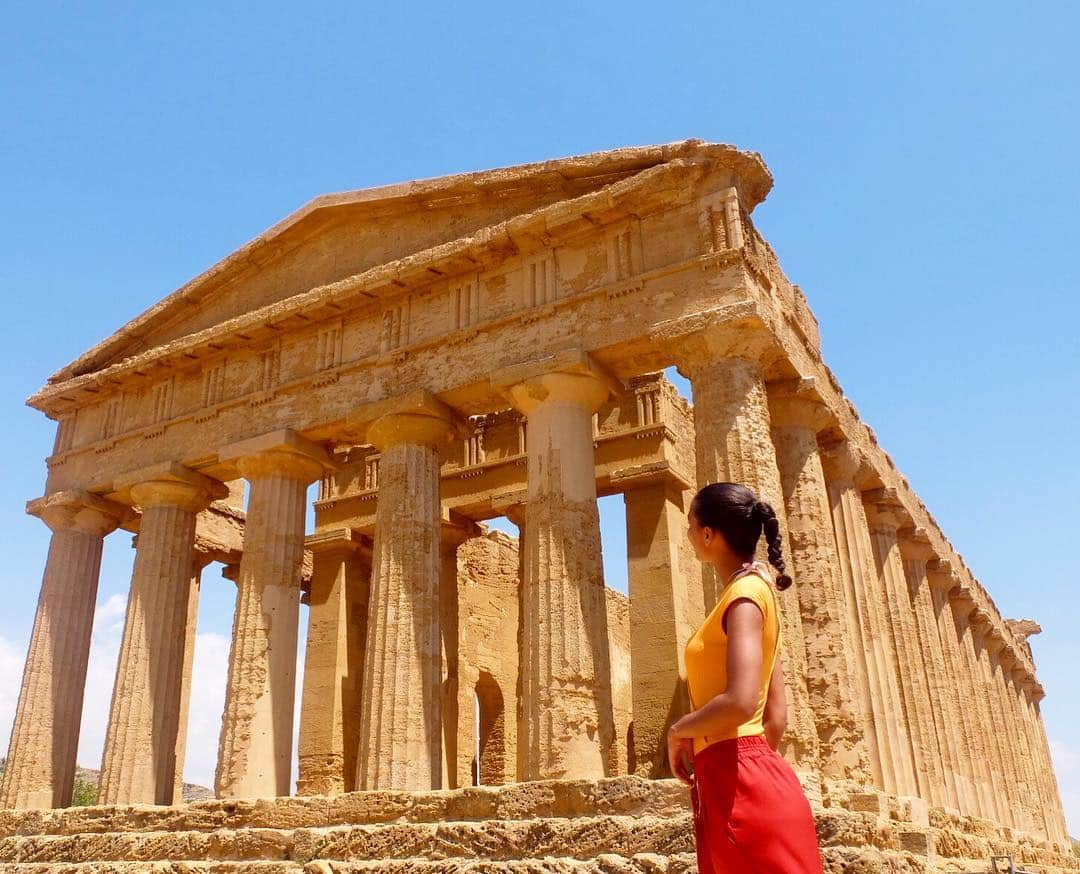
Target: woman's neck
x,y
726,566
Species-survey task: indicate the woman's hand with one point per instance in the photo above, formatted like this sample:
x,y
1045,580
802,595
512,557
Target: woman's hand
x,y
680,756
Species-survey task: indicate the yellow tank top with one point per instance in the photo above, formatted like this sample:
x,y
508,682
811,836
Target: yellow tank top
x,y
706,652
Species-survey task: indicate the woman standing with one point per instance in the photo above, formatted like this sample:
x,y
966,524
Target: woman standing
x,y
750,813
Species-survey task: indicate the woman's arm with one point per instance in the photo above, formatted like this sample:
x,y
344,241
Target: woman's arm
x,y
739,700
775,717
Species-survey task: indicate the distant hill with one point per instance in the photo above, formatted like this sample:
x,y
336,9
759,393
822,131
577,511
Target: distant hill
x,y
86,787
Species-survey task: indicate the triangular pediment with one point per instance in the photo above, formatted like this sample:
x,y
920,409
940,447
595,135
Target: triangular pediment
x,y
337,236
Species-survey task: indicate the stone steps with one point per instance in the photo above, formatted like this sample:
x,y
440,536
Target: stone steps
x,y
619,824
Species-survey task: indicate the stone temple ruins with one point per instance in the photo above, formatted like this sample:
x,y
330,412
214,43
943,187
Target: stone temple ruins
x,y
435,355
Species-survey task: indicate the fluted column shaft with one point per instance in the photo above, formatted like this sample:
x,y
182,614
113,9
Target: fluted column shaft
x,y
139,760
664,611
567,725
830,643
1029,771
994,643
906,652
255,750
401,717
453,535
859,576
1052,799
40,767
980,723
957,695
334,664
983,633
733,443
199,562
916,553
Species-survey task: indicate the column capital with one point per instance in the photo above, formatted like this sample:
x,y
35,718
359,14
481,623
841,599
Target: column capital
x,y
747,338
169,484
511,504
915,544
418,418
796,403
843,462
79,510
571,377
963,599
282,453
884,509
940,573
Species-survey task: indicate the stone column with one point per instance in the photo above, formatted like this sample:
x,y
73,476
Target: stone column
x,y
454,531
401,720
970,765
139,760
255,751
663,615
334,662
842,465
733,443
1054,816
993,643
40,768
981,626
917,551
1013,675
200,559
517,513
830,640
567,728
981,724
885,515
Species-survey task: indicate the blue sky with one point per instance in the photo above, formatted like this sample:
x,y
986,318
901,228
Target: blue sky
x,y
926,201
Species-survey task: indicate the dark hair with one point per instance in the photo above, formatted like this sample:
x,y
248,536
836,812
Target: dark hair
x,y
736,514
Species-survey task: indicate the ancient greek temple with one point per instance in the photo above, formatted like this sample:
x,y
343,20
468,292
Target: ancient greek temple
x,y
442,353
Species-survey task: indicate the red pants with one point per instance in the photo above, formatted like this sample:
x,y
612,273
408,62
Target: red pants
x,y
750,813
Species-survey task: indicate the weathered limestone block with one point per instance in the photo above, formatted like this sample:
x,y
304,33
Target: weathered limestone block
x,y
139,760
886,515
401,732
567,721
733,443
830,640
888,740
254,755
334,663
45,734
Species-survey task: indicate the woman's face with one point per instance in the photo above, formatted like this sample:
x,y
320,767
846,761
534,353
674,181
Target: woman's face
x,y
700,538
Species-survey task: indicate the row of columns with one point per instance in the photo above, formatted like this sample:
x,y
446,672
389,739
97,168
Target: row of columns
x,y
865,635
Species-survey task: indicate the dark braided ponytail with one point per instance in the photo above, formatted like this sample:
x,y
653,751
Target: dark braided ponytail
x,y
770,526
736,513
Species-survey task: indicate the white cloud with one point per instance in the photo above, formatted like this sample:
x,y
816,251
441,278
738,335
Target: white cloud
x,y
1067,769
